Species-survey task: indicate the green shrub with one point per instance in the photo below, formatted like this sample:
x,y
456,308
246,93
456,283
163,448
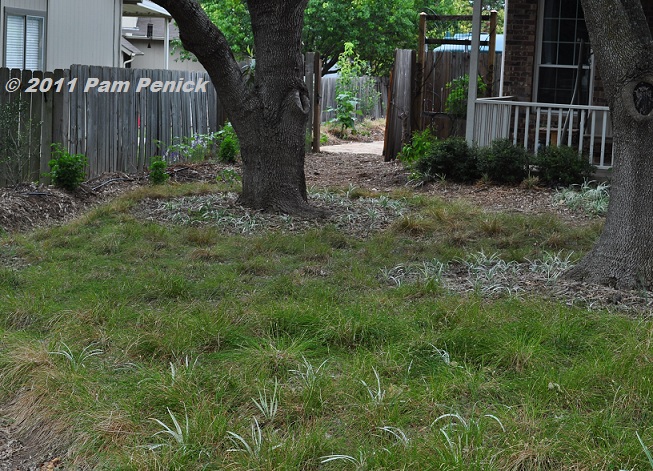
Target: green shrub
x,y
67,170
451,158
562,166
229,144
504,162
345,110
354,83
456,102
195,148
158,174
418,148
228,150
200,147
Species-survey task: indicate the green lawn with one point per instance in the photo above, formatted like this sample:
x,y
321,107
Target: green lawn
x,y
142,345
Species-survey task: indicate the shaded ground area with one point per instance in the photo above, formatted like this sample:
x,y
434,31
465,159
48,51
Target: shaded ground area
x,y
28,206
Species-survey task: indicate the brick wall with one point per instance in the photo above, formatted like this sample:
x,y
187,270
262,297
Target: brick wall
x,y
521,34
520,49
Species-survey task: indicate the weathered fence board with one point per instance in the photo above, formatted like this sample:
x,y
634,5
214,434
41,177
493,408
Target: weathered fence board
x,y
398,120
329,97
118,131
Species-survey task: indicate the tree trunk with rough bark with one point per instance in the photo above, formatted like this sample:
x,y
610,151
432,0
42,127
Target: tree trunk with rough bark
x,y
268,106
623,47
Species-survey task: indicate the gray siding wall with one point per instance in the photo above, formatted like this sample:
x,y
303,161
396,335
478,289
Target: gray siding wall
x,y
83,32
77,31
155,56
33,5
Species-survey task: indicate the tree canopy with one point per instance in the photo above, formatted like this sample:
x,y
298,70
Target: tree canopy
x,y
375,27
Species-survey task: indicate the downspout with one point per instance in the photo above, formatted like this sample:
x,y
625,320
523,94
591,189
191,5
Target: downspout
x,y
124,64
46,32
117,33
473,71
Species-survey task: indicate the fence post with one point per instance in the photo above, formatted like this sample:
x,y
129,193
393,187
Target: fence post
x,y
388,119
418,106
399,120
309,78
317,103
492,48
47,128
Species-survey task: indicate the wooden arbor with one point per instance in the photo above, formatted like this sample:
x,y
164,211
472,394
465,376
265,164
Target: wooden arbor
x,y
417,118
405,112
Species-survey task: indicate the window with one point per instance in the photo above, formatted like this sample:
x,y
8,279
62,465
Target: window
x,y
24,38
563,31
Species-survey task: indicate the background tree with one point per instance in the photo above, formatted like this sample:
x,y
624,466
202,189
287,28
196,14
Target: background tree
x,y
623,47
232,18
375,27
269,110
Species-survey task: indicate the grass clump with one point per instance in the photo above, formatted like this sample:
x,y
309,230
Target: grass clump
x,y
590,197
297,350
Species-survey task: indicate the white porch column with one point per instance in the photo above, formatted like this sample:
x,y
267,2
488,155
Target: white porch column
x,y
473,71
503,54
166,44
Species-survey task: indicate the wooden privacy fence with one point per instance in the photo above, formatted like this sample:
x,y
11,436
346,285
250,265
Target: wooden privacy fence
x,y
329,97
118,129
405,94
443,67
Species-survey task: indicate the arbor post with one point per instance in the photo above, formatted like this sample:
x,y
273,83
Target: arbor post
x,y
418,107
473,71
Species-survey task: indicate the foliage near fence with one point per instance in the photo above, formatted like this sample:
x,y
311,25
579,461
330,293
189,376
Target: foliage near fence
x,y
329,97
117,131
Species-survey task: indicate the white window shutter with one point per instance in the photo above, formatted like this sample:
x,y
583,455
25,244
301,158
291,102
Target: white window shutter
x,y
15,46
34,43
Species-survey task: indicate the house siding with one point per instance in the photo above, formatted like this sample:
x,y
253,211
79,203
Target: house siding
x,y
76,32
83,32
521,46
154,57
40,6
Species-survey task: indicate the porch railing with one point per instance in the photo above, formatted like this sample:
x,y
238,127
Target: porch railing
x,y
534,125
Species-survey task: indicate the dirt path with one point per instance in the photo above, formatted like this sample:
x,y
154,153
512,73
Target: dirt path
x,y
375,148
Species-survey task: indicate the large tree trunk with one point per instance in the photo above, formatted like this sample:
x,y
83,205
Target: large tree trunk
x,y
622,44
268,107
